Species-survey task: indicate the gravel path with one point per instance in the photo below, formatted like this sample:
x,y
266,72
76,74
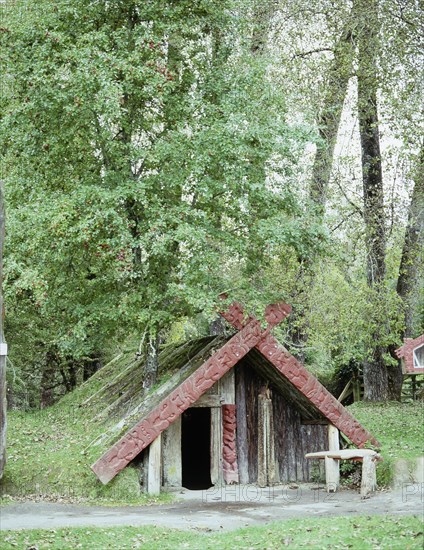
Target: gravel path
x,y
228,508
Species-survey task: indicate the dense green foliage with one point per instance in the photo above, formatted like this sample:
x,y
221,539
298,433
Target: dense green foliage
x,y
147,163
154,155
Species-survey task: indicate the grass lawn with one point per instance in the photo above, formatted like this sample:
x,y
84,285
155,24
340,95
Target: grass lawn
x,y
398,426
48,455
368,532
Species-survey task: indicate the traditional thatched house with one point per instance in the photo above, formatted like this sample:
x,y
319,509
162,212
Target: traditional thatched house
x,y
237,410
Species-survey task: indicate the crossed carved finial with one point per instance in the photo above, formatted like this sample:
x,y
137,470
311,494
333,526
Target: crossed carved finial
x,y
274,314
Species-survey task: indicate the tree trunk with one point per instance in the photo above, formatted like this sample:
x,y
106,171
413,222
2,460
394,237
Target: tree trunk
x,y
263,13
375,371
339,73
151,363
3,423
337,80
409,283
48,382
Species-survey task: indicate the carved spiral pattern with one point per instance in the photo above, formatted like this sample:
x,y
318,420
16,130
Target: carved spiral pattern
x,y
229,451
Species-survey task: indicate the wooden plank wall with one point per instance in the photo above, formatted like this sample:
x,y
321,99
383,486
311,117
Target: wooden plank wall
x,y
292,439
247,391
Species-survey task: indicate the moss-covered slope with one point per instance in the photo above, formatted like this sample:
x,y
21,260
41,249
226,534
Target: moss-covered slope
x,y
50,451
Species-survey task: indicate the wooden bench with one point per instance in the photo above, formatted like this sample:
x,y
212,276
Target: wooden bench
x,y
332,467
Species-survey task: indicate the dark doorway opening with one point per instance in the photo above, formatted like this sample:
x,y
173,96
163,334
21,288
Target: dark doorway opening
x,y
196,448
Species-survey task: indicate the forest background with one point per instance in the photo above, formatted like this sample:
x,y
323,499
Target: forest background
x,y
157,154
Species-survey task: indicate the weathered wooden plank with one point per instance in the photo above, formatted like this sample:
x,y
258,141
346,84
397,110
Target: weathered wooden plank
x,y
217,477
291,434
279,412
241,433
263,435
252,391
314,437
369,476
154,467
171,455
332,474
267,474
345,454
273,473
208,401
226,388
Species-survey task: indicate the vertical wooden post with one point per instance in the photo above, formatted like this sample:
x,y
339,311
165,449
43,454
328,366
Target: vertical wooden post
x,y
263,429
241,432
369,476
171,455
3,346
414,387
332,465
154,467
356,390
217,475
266,451
273,469
333,438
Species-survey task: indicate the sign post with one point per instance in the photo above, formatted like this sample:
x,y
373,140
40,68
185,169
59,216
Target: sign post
x,y
3,345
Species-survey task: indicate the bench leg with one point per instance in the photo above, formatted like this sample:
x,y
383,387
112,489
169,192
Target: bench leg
x,y
369,476
332,474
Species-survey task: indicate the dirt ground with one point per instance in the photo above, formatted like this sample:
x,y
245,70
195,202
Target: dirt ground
x,y
217,509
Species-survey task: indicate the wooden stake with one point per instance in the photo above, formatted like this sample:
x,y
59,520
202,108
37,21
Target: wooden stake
x,y
266,452
262,443
333,438
369,476
332,466
332,474
217,475
154,467
171,455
